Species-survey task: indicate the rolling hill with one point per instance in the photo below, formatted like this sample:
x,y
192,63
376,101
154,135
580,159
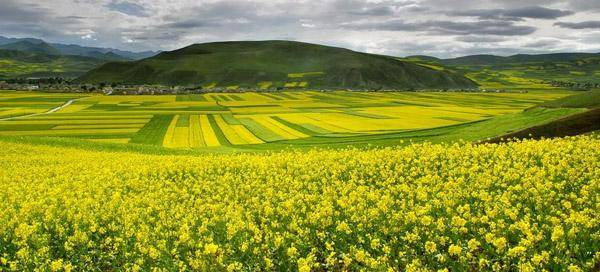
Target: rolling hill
x,y
523,71
275,64
31,47
22,64
520,58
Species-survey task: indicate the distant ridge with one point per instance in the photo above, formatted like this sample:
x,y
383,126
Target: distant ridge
x,y
23,64
519,58
78,50
31,47
277,64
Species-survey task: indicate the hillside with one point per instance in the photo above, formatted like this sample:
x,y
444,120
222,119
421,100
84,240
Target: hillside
x,y
31,47
22,64
545,71
275,64
520,58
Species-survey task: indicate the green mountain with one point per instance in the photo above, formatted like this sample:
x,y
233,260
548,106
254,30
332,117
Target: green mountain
x,y
275,64
22,64
108,56
32,47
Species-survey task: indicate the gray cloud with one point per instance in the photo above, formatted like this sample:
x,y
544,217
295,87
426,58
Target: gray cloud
x,y
516,14
488,27
580,25
480,39
32,19
441,27
543,43
128,8
376,11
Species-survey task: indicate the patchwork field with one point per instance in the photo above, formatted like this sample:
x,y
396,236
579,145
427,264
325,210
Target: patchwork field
x,y
273,120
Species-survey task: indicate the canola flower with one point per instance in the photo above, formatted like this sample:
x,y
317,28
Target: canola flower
x,y
520,206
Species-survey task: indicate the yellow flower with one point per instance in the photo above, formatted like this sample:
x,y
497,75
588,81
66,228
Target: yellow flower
x,y
211,249
499,243
430,247
516,251
557,233
454,250
56,265
574,268
473,244
292,251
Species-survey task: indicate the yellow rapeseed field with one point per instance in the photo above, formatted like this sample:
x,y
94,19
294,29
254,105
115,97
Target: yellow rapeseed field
x,y
520,206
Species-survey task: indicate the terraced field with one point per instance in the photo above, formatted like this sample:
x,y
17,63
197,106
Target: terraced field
x,y
274,120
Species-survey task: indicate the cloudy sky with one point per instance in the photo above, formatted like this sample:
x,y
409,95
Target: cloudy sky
x,y
443,28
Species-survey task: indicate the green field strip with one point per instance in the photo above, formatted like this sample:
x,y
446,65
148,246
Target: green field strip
x,y
183,121
236,97
408,103
88,117
76,122
330,99
462,120
41,99
271,97
216,98
110,107
316,129
154,131
187,108
285,96
197,97
105,136
260,131
95,126
217,130
196,137
182,97
71,132
230,119
255,106
10,127
364,114
296,127
225,98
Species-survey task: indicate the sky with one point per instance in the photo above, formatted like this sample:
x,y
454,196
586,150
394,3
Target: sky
x,y
441,28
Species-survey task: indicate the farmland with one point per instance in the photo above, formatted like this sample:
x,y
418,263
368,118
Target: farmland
x,y
270,121
519,206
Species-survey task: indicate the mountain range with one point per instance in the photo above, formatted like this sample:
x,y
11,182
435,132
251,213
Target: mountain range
x,y
265,64
78,50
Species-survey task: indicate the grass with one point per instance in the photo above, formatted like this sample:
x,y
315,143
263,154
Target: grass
x,y
154,131
589,99
274,121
